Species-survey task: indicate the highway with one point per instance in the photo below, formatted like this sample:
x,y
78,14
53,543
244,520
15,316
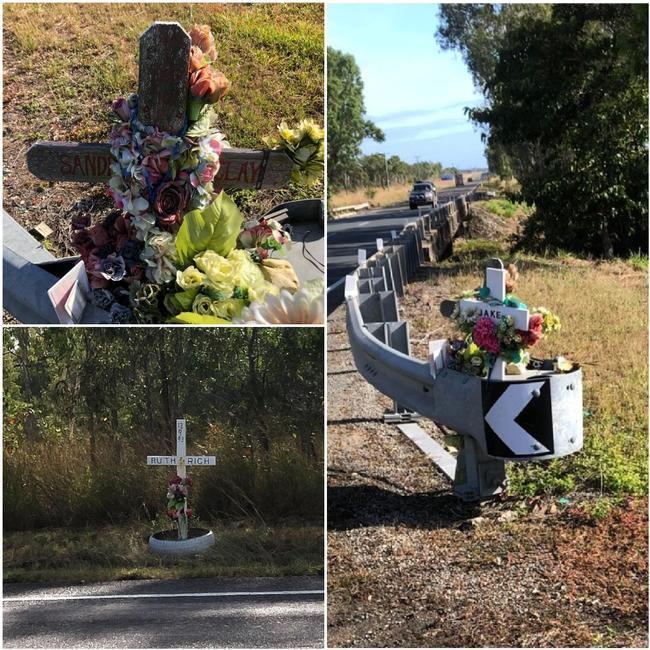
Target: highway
x,y
345,236
196,613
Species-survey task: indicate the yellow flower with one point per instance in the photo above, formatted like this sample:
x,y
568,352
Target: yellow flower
x,y
218,270
202,305
190,278
245,273
228,309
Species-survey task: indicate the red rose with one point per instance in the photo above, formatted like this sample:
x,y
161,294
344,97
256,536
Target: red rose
x,y
170,203
534,333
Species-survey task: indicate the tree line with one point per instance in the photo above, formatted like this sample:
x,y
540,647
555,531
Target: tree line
x,y
347,127
565,90
83,407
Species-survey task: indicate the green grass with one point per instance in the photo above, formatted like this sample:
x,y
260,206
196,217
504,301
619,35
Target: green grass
x,y
507,209
638,261
120,553
86,55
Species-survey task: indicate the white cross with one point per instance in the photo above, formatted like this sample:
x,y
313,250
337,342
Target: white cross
x,y
495,281
181,460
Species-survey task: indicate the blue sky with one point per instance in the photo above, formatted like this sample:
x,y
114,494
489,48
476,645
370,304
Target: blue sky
x,y
413,90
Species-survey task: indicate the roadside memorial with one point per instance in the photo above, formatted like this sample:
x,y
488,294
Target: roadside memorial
x,y
177,249
182,539
504,403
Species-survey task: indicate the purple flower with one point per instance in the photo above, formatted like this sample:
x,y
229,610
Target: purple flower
x,y
130,251
121,107
102,298
120,314
113,267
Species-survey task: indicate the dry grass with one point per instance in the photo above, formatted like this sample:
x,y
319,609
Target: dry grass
x,y
384,196
120,552
63,65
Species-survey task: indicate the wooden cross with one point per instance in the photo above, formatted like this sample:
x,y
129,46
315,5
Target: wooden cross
x,y
181,459
495,281
162,100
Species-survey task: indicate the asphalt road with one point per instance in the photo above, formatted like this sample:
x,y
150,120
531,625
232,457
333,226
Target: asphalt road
x,y
197,613
345,236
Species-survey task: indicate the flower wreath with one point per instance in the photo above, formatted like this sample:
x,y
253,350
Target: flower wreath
x,y
485,340
176,249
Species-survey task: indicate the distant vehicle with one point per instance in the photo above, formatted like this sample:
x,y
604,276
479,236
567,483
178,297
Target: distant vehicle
x,y
423,193
459,179
447,177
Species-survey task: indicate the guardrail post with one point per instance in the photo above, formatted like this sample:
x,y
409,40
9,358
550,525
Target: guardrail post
x,y
478,476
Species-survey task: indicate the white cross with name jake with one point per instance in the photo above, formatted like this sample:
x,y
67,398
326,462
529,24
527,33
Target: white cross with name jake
x,y
181,460
495,281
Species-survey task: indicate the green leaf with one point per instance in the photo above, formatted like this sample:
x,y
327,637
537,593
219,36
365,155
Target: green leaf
x,y
205,121
181,301
215,228
190,318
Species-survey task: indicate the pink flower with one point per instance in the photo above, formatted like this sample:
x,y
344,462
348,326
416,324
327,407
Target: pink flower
x,y
188,512
121,107
121,135
485,335
534,333
156,167
215,145
117,197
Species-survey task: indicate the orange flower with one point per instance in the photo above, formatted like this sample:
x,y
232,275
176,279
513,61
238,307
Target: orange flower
x,y
202,38
197,59
209,83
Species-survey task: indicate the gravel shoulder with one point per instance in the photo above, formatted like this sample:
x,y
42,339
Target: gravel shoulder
x,y
411,566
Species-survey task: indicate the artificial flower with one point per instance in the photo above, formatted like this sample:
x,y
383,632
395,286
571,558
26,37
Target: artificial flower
x,y
171,201
203,39
160,257
485,336
209,84
190,278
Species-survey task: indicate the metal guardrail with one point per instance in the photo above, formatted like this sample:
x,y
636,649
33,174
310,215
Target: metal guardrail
x,y
485,412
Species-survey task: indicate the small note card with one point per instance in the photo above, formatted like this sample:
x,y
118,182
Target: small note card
x,y
70,295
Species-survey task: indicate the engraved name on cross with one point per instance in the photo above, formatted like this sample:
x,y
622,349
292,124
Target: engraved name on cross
x,y
181,459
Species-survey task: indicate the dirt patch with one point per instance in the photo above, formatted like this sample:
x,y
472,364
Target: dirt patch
x,y
486,225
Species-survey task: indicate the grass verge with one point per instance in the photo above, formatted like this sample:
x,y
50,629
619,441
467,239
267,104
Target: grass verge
x,y
96,554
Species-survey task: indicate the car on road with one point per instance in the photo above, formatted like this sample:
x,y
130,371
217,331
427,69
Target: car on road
x,y
447,177
423,193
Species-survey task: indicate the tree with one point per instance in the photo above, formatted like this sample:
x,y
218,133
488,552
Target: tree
x,y
346,123
566,109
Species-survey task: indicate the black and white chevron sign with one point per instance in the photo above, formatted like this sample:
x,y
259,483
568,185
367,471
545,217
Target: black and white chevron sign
x,y
518,418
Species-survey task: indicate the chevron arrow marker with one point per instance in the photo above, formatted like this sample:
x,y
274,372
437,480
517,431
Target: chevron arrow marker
x,y
501,417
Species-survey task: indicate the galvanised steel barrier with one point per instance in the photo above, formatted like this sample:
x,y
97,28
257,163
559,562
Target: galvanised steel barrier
x,y
536,416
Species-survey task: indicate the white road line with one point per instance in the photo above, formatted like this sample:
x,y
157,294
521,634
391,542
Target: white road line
x,y
208,594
